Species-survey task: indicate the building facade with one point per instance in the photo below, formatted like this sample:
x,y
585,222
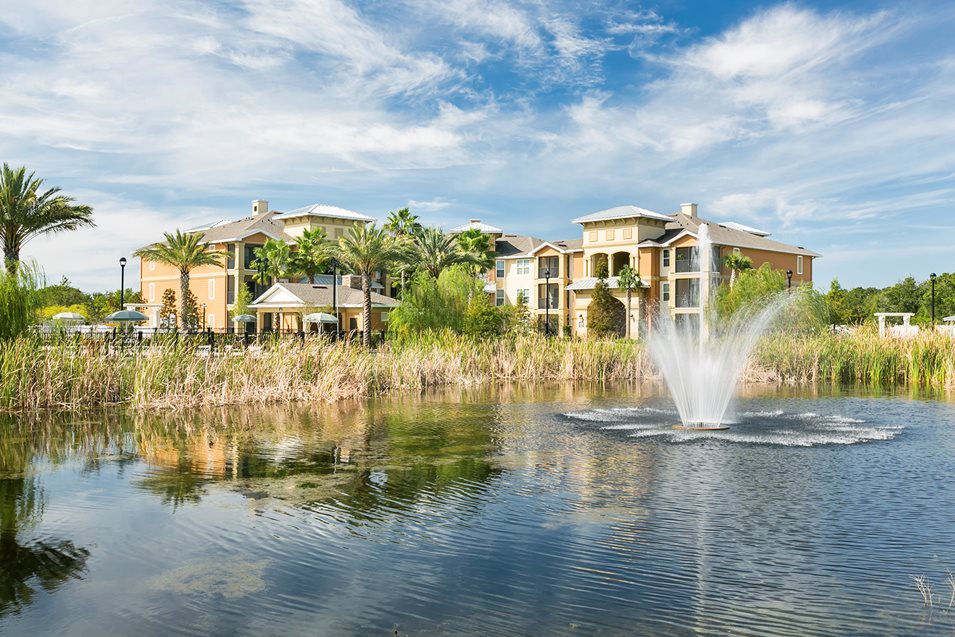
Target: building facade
x,y
215,287
557,278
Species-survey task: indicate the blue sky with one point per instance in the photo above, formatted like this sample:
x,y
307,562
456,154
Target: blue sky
x,y
829,124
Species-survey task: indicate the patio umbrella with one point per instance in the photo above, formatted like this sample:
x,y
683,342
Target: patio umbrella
x,y
320,317
244,318
947,319
69,316
127,316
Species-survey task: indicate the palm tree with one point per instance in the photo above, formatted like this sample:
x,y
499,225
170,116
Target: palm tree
x,y
366,250
26,213
402,225
736,262
313,254
433,251
273,260
477,244
629,281
185,252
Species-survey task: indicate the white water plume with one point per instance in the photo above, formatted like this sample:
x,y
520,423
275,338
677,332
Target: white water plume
x,y
702,367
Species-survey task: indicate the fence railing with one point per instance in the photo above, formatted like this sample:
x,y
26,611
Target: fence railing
x,y
209,340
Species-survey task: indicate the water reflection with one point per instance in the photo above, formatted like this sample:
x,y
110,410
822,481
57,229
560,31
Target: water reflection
x,y
502,511
28,564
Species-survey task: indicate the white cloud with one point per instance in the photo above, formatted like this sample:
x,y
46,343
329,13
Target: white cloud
x,y
793,119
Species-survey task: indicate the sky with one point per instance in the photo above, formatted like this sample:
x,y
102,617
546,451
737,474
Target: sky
x,y
829,124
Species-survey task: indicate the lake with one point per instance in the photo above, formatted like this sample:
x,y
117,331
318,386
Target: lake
x,y
545,510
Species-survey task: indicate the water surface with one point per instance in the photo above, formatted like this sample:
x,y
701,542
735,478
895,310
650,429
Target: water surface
x,y
506,511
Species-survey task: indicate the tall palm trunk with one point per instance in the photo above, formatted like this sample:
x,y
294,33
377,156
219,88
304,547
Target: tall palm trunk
x,y
732,277
11,259
366,308
183,299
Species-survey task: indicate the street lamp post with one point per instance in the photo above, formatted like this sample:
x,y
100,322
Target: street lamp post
x,y
547,302
122,281
334,264
932,277
789,279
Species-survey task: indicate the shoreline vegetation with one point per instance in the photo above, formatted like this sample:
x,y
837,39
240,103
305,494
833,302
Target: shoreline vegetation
x,y
68,375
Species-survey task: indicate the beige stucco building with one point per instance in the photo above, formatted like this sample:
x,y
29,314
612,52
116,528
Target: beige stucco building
x,y
215,286
663,250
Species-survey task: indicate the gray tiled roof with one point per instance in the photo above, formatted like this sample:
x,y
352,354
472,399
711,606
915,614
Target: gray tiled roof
x,y
512,245
569,244
476,223
324,210
230,231
321,295
621,212
722,235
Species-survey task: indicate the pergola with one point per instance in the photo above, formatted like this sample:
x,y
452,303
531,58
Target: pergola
x,y
906,329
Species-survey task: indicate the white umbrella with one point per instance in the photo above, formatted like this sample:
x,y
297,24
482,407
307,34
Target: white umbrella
x,y
244,318
320,317
69,316
947,319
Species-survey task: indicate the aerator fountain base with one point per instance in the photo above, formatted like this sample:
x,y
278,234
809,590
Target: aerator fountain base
x,y
702,426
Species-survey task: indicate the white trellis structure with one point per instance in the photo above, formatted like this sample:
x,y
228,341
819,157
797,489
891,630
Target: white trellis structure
x,y
905,330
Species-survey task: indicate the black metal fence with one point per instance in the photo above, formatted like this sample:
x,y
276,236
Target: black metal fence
x,y
209,340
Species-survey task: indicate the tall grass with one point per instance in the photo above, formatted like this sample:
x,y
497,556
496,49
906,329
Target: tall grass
x,y
70,374
73,374
864,358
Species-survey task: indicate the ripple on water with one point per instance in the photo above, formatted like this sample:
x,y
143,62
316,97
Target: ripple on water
x,y
757,427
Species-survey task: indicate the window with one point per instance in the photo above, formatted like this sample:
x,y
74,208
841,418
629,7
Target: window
x,y
524,296
609,234
499,268
212,289
384,317
499,297
550,300
665,292
152,292
230,289
152,266
799,264
230,255
687,260
666,258
211,321
248,260
548,263
523,266
592,235
688,293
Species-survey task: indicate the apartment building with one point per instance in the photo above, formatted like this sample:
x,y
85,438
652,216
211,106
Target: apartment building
x,y
533,269
664,250
215,286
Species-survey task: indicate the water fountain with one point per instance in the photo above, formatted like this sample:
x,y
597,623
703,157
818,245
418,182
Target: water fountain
x,y
702,367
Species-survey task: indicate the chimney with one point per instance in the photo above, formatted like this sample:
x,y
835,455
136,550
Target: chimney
x,y
689,209
259,206
351,281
